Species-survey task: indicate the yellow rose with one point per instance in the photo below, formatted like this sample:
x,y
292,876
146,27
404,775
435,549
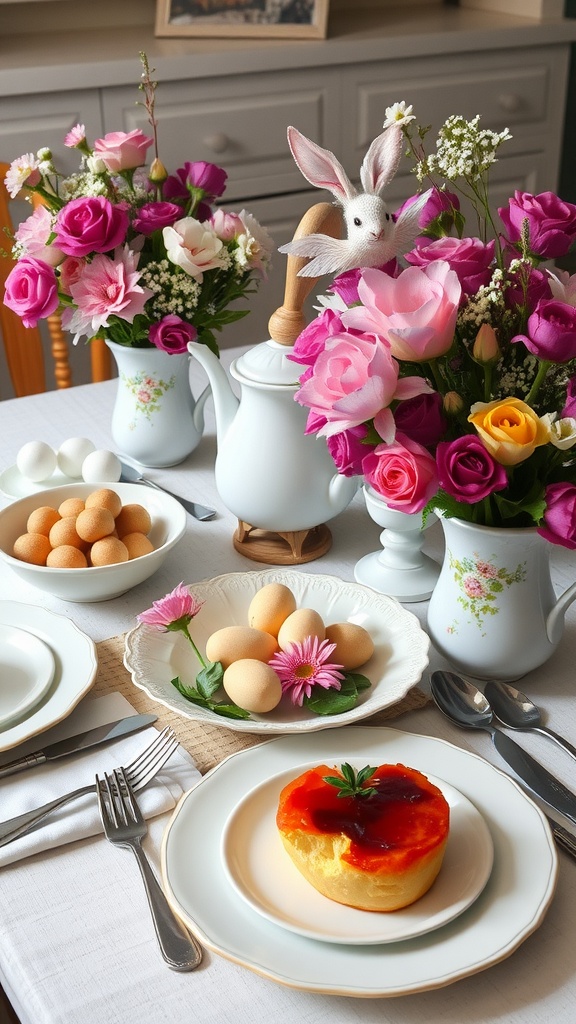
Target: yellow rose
x,y
509,429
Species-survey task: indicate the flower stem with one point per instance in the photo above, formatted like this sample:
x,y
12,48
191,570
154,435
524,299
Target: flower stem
x,y
197,652
540,375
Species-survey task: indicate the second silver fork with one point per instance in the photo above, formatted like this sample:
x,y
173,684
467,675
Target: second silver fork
x,y
124,825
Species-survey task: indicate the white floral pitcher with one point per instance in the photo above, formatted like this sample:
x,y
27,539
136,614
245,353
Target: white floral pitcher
x,y
493,613
156,420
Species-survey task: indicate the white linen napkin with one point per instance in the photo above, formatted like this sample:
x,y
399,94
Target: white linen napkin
x,y
80,818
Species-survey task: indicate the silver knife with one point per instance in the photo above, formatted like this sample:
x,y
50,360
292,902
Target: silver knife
x,y
83,741
134,476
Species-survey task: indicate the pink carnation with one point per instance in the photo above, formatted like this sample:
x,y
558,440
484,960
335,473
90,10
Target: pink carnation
x,y
108,287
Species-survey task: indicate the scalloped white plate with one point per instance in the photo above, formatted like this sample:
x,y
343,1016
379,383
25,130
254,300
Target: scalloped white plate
x,y
263,874
401,647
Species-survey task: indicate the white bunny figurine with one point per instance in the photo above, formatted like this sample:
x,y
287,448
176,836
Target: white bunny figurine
x,y
373,236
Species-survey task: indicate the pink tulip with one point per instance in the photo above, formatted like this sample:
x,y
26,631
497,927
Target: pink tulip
x,y
123,151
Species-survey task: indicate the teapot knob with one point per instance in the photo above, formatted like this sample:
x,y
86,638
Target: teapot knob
x,y
289,321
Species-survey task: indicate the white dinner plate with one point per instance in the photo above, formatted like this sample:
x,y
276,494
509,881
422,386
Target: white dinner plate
x,y
511,906
400,656
15,485
26,671
262,872
75,665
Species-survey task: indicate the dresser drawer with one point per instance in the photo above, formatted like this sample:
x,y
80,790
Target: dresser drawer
x,y
28,123
238,122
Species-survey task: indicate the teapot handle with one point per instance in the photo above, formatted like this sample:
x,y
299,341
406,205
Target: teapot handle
x,y
289,321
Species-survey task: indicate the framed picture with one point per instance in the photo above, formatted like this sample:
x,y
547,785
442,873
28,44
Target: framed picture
x,y
273,18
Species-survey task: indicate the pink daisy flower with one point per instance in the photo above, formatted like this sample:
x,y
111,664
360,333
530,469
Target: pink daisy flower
x,y
173,613
305,665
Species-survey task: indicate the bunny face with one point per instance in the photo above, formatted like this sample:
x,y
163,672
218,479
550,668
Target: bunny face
x,y
368,219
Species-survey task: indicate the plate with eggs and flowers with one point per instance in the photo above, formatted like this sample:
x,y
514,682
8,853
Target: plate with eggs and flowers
x,y
237,624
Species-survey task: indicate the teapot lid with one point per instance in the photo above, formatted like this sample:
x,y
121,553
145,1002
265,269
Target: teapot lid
x,y
268,363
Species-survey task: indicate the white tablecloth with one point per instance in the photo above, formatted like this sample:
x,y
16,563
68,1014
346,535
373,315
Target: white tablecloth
x,y
76,939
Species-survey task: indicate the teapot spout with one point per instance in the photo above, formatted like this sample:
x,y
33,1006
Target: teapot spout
x,y
341,490
198,415
555,620
225,401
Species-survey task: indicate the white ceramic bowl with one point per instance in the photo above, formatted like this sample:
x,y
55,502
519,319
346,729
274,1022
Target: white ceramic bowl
x,y
95,583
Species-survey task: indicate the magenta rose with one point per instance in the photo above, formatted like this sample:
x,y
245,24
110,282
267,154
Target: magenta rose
x,y
551,222
422,418
469,258
551,331
123,151
311,341
155,216
559,526
570,403
467,471
437,214
196,175
348,451
171,334
88,225
402,473
31,290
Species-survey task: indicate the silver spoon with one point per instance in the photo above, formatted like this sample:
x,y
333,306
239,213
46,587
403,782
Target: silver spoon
x,y
132,475
517,711
466,705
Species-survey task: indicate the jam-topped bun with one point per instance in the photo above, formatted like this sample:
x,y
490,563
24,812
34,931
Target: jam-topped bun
x,y
378,849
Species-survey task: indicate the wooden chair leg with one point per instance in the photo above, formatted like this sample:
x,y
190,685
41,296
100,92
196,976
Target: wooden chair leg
x,y
60,353
101,360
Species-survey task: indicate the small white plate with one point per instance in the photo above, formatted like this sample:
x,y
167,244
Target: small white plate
x,y
75,662
14,485
154,658
26,671
263,874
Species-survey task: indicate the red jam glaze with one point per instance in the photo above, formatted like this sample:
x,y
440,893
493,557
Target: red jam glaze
x,y
406,818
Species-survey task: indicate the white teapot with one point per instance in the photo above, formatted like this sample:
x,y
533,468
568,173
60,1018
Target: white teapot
x,y
269,473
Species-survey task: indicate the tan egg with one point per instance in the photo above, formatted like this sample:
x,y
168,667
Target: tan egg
x,y
300,624
66,557
133,519
71,507
270,606
108,551
105,497
354,645
94,523
252,685
64,532
137,544
42,519
32,547
231,643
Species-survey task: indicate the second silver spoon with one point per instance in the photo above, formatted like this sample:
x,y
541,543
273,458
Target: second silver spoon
x,y
517,711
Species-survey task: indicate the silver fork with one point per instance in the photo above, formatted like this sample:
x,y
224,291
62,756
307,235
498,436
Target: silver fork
x,y
140,772
125,826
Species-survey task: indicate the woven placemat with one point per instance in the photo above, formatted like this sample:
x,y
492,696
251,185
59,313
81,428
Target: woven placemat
x,y
207,744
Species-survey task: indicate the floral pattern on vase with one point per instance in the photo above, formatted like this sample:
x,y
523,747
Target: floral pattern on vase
x,y
481,582
147,393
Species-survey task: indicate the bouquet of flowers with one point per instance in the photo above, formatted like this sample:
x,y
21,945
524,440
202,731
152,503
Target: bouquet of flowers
x,y
130,253
449,382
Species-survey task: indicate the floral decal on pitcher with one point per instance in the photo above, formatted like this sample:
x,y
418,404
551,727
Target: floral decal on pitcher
x,y
480,583
147,392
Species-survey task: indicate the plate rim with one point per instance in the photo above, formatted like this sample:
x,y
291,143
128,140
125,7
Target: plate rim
x,y
419,652
504,948
483,869
40,686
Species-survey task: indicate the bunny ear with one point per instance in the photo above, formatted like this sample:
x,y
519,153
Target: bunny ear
x,y
381,161
319,166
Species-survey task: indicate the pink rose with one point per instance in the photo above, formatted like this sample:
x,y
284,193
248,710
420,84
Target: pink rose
x,y
226,225
31,290
155,216
422,418
559,526
551,222
436,216
469,258
348,451
403,474
123,151
171,334
90,225
467,471
311,341
551,332
33,235
70,272
415,312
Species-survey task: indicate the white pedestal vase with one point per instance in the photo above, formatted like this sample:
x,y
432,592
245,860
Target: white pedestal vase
x,y
400,569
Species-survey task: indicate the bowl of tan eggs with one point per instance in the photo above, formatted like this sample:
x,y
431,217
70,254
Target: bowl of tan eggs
x,y
90,542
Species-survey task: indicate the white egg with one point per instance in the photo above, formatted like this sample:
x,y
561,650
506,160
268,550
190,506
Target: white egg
x,y
101,466
36,460
71,454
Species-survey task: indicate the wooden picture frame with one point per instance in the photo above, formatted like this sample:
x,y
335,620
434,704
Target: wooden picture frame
x,y
274,19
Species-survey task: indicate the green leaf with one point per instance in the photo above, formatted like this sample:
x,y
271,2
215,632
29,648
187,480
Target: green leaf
x,y
209,678
221,708
352,783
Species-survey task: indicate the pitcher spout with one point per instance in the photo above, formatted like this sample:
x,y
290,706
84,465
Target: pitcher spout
x,y
225,401
555,620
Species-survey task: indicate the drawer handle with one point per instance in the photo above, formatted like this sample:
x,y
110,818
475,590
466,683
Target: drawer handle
x,y
217,142
510,102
